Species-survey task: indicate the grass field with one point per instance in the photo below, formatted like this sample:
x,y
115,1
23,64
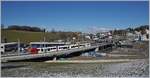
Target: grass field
x,y
26,36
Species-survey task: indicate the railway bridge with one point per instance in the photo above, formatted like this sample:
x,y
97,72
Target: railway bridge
x,y
53,54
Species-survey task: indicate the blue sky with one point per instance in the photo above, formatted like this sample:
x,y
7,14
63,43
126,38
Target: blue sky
x,y
75,16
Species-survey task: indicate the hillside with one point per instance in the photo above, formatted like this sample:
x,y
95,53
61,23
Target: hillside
x,y
27,36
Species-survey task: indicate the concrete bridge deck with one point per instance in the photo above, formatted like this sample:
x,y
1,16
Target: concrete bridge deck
x,y
50,54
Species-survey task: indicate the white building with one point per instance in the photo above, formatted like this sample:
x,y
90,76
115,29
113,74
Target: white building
x,y
143,37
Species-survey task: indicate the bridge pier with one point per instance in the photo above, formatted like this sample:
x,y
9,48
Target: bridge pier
x,y
97,49
55,58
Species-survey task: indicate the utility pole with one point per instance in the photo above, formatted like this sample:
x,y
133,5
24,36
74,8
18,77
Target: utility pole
x,y
18,46
44,45
44,42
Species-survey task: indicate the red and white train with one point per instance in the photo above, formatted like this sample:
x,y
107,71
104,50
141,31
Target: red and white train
x,y
45,47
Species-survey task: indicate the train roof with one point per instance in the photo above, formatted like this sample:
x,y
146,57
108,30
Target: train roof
x,y
49,43
9,43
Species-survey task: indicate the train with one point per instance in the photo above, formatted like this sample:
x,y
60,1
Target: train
x,y
45,47
10,47
40,47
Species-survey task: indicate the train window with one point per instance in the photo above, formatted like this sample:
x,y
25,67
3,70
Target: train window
x,y
2,47
2,52
54,48
48,49
65,48
41,49
48,45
